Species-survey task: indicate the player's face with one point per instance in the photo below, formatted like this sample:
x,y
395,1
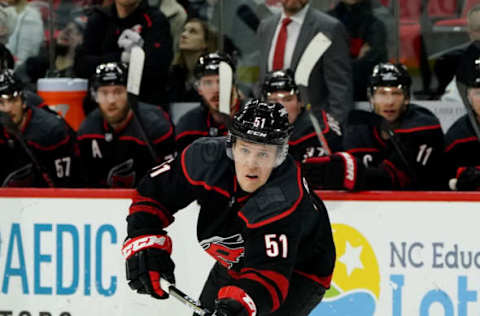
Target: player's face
x,y
293,6
113,103
289,101
253,164
208,88
474,97
14,107
193,37
389,102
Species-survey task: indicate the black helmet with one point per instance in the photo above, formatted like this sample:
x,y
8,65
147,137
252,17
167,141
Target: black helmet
x,y
390,75
10,85
208,64
262,122
110,74
279,80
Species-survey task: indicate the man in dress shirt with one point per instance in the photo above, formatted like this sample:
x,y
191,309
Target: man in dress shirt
x,y
284,38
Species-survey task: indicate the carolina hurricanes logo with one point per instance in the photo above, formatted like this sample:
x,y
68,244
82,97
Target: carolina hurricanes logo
x,y
227,251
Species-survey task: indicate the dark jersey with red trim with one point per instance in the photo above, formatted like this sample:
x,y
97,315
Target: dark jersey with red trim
x,y
462,146
119,158
411,159
50,142
261,238
196,123
304,143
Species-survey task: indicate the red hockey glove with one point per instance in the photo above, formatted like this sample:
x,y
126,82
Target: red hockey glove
x,y
339,171
147,260
233,301
468,179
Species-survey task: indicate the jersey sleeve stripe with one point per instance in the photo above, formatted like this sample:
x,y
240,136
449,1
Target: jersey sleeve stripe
x,y
362,149
397,175
281,215
270,288
301,139
278,279
323,281
418,129
460,141
165,136
52,147
86,136
186,133
144,204
200,183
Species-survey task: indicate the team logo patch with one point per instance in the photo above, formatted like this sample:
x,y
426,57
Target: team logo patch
x,y
226,250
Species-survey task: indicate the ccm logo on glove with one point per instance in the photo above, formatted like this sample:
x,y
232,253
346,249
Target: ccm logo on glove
x,y
151,241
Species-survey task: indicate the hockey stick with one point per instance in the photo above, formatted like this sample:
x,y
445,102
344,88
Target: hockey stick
x,y
185,299
315,49
13,129
225,75
135,71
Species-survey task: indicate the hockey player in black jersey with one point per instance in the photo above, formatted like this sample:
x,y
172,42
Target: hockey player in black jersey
x,y
206,120
38,148
271,237
397,146
279,86
119,143
463,142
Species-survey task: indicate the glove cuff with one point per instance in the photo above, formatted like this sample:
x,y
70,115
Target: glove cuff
x,y
350,171
134,245
237,294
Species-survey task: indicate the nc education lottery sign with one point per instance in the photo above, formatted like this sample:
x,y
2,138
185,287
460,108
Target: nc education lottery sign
x,y
61,256
404,258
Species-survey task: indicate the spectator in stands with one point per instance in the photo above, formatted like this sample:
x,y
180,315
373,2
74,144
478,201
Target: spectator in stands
x,y
279,86
8,21
452,66
283,38
207,119
397,146
367,41
197,39
27,37
120,141
112,31
463,137
66,43
38,148
176,15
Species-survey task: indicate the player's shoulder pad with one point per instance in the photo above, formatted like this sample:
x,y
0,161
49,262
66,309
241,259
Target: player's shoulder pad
x,y
418,117
46,129
303,126
277,199
460,129
193,120
205,161
92,124
155,120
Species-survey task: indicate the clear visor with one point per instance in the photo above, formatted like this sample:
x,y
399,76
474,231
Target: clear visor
x,y
280,97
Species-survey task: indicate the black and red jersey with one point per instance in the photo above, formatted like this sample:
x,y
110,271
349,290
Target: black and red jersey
x,y
411,159
49,141
462,146
119,158
260,238
304,143
197,123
